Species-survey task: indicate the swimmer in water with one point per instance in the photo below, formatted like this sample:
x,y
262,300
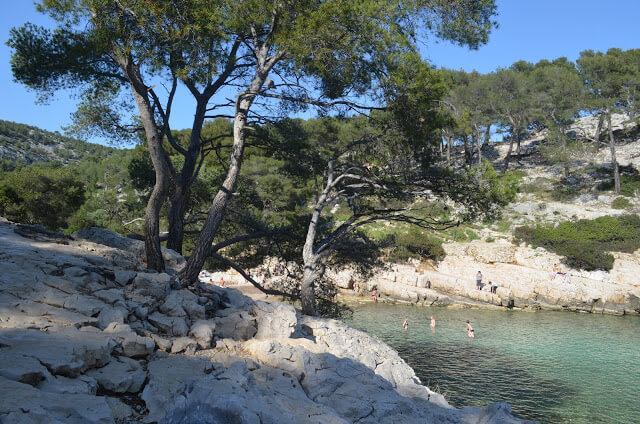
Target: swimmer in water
x,y
433,322
470,331
405,324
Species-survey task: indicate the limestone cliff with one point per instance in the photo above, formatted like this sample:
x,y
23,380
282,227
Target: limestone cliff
x,y
525,279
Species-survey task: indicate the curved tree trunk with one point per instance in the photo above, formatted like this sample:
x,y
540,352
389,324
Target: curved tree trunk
x,y
189,273
185,180
156,151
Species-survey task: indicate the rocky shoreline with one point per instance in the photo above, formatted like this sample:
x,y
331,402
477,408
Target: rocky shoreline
x,y
88,335
524,276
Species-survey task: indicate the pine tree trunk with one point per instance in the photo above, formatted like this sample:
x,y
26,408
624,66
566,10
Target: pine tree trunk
x,y
185,180
153,248
448,151
614,161
487,136
307,291
507,158
176,222
598,130
479,145
467,151
189,273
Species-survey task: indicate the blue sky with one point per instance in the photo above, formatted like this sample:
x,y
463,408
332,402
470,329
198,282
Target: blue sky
x,y
529,29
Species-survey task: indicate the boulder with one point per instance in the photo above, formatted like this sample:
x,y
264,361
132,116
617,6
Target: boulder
x,y
162,343
167,377
131,344
109,315
121,375
119,409
180,303
85,305
110,296
274,320
66,351
184,344
173,326
123,276
237,325
22,403
80,385
147,289
202,332
23,369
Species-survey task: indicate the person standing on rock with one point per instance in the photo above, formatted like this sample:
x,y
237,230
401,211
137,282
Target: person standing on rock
x,y
479,281
374,295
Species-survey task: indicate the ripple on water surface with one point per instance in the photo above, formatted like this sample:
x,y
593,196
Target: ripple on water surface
x,y
552,367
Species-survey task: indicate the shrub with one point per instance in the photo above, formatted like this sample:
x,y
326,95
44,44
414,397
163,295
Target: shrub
x,y
41,195
629,185
621,203
415,245
585,243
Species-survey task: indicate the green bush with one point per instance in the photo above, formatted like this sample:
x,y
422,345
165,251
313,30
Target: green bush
x,y
41,195
621,203
629,185
414,245
586,244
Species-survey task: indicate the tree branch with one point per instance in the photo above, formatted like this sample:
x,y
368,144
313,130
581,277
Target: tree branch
x,y
247,277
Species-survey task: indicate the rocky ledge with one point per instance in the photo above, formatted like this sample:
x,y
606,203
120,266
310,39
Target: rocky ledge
x,y
525,278
88,335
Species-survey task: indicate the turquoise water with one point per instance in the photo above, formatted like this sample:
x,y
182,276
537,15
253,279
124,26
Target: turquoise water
x,y
552,367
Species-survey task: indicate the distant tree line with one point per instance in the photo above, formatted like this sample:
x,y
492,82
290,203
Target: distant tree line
x,y
550,95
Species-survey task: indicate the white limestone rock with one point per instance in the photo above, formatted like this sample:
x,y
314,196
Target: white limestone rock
x,y
119,409
66,351
123,276
173,326
131,344
80,385
110,296
167,377
23,369
202,332
180,303
22,403
274,320
236,395
237,325
184,344
109,315
121,375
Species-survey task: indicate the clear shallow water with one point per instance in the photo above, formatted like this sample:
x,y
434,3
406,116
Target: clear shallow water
x,y
552,367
